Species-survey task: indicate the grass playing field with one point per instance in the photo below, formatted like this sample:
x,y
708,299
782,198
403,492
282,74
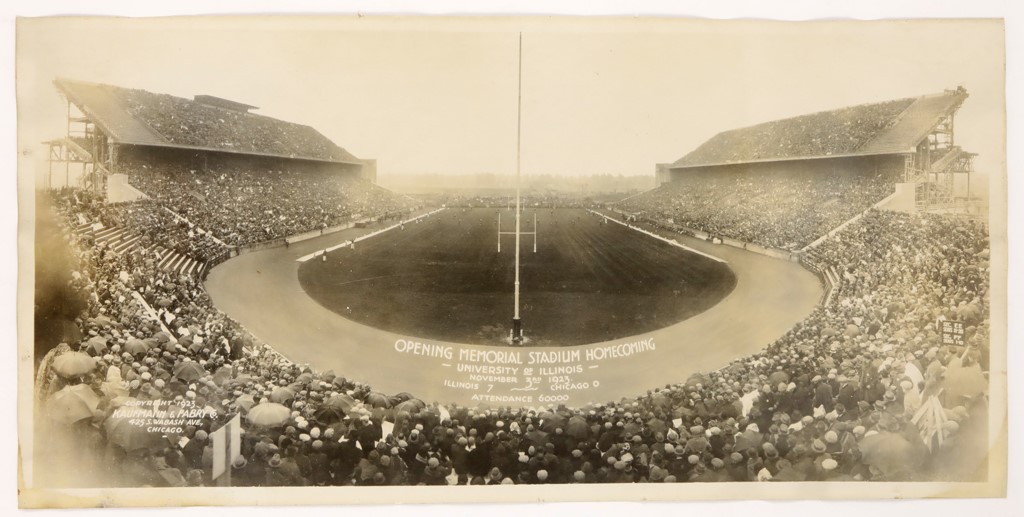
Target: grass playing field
x,y
588,281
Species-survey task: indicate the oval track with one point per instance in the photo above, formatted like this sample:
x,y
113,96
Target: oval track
x,y
261,291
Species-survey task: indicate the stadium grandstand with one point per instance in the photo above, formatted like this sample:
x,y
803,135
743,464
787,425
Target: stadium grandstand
x,y
867,387
200,180
785,184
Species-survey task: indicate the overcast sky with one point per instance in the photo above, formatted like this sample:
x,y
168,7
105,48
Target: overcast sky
x,y
599,96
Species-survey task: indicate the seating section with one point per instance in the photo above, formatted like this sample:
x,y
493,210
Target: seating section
x,y
819,404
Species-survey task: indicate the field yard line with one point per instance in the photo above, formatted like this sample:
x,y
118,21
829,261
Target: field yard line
x,y
659,237
304,258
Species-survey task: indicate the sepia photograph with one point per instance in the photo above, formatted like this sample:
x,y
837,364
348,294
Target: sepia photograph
x,y
371,259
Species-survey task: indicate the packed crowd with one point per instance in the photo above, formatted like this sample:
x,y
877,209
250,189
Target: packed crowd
x,y
156,225
825,133
834,399
785,211
188,122
242,206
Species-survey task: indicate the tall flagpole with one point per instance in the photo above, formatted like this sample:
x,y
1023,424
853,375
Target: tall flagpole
x,y
517,326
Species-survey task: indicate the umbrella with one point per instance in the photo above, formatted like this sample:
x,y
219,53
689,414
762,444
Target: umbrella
x,y
892,454
552,421
73,403
222,375
399,398
341,401
172,477
657,426
411,406
659,400
304,378
749,439
73,364
245,402
377,399
829,332
122,431
852,330
537,436
577,427
67,331
136,346
789,474
963,381
241,379
282,395
164,302
113,389
189,371
269,414
161,337
101,321
328,415
777,377
696,379
97,344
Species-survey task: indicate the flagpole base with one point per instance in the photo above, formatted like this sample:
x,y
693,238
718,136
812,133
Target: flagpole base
x,y
517,331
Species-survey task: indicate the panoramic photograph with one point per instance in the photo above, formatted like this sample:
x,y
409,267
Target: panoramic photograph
x,y
339,252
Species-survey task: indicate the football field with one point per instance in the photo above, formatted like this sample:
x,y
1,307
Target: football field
x,y
443,278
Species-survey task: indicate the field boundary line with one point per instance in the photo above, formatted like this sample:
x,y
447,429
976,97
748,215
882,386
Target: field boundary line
x,y
659,237
315,254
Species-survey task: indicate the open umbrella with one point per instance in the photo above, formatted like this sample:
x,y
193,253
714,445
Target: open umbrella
x,y
577,427
552,421
657,425
101,321
892,454
411,406
304,378
97,344
114,389
852,330
189,371
73,364
963,381
777,377
340,401
696,379
222,375
748,439
164,302
245,402
789,474
73,403
125,433
328,415
241,380
400,397
282,395
136,346
661,401
268,414
377,399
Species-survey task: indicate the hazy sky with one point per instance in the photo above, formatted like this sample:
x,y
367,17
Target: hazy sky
x,y
599,96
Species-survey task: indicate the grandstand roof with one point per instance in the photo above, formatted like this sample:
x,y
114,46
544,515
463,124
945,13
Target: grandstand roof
x,y
139,117
889,127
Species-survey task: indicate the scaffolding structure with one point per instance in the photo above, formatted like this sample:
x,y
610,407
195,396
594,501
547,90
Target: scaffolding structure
x,y
84,148
941,171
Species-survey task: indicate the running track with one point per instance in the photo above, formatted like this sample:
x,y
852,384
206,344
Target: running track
x,y
261,291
